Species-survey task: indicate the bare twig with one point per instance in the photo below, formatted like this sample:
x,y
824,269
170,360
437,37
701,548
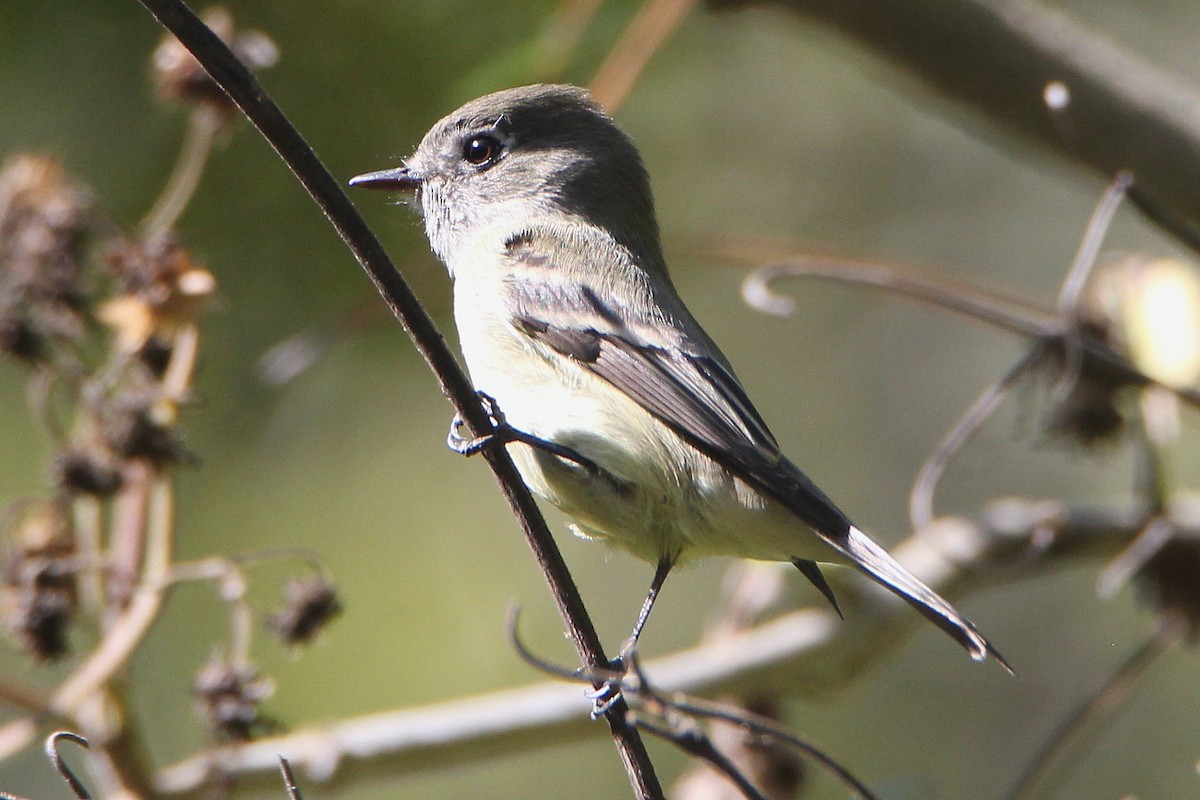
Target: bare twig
x,y
126,633
203,124
650,27
920,500
1004,312
693,741
289,779
765,727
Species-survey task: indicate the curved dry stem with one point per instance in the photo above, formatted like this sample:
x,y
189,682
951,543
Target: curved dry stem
x,y
652,25
1089,247
60,766
920,500
697,744
766,727
1003,312
130,627
203,124
592,676
1070,294
694,741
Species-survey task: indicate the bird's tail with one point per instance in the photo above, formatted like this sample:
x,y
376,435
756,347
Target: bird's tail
x,y
875,561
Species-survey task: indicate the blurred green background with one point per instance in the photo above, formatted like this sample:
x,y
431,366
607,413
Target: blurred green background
x,y
750,123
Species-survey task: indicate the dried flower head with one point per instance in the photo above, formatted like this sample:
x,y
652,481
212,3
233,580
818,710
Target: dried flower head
x,y
1170,579
44,220
1087,408
179,76
228,699
1146,310
160,288
87,467
141,423
39,595
309,604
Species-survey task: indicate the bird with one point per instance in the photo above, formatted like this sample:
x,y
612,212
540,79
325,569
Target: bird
x,y
620,410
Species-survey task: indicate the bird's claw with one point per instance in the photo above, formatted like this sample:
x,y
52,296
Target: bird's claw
x,y
608,694
470,445
502,433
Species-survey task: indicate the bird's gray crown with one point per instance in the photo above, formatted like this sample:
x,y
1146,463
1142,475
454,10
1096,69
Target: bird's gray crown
x,y
531,153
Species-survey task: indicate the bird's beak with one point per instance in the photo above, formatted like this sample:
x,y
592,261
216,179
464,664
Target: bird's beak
x,y
395,178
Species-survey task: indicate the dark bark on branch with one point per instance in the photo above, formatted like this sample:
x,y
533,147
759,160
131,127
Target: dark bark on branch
x,y
997,56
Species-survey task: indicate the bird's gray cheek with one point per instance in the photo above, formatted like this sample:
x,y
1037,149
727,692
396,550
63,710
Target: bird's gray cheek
x,y
439,210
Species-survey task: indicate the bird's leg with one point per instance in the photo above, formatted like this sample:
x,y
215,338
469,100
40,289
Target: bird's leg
x,y
606,695
502,433
656,584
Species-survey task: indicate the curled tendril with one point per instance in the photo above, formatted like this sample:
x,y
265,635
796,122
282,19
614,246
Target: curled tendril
x,y
72,781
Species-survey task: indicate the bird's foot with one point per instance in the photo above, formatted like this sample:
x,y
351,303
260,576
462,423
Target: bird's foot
x,y
470,445
502,433
608,694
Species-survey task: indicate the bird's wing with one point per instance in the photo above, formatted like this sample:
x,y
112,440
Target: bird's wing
x,y
656,361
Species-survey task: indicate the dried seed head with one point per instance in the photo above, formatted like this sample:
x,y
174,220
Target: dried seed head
x,y
160,288
140,423
44,220
179,76
1148,311
39,595
87,468
228,699
1170,580
308,606
1088,411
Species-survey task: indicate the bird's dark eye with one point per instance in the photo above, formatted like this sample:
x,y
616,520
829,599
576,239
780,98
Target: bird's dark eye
x,y
480,150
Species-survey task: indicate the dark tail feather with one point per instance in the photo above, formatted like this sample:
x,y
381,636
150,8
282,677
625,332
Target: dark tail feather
x,y
810,570
875,561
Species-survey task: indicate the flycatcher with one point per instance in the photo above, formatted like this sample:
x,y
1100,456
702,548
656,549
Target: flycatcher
x,y
630,419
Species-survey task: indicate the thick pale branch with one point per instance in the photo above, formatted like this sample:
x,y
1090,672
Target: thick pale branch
x,y
997,58
808,650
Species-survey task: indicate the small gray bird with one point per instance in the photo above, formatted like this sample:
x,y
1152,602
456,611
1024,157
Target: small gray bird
x,y
626,415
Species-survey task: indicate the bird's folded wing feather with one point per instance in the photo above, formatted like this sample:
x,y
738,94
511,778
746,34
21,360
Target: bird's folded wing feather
x,y
658,367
